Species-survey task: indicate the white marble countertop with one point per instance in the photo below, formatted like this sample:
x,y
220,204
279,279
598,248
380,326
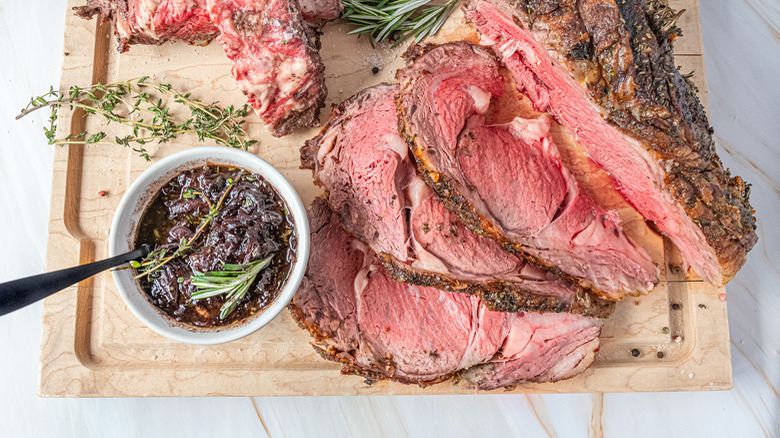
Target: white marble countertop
x,y
742,49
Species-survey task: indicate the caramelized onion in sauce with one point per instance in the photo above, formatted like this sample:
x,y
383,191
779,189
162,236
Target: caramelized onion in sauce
x,y
250,224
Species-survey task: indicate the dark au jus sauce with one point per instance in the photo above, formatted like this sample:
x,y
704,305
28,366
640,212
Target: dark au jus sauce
x,y
252,223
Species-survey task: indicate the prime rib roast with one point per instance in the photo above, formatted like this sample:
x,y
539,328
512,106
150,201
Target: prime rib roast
x,y
382,329
273,49
275,60
364,165
451,246
605,70
507,180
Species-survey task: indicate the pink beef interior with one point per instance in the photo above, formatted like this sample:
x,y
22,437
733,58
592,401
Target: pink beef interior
x,y
522,190
421,335
361,160
437,232
552,88
361,164
511,175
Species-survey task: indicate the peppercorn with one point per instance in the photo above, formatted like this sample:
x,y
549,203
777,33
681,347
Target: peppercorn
x,y
635,352
375,70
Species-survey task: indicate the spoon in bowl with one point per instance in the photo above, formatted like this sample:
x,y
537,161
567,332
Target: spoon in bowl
x,y
22,292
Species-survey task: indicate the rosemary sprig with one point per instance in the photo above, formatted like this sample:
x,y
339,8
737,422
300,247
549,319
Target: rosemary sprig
x,y
233,281
139,104
381,19
159,258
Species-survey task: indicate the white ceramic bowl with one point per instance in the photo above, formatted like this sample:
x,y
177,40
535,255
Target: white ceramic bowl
x,y
142,192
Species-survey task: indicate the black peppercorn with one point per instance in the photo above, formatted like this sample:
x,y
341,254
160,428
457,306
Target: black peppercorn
x,y
676,306
375,70
660,355
635,352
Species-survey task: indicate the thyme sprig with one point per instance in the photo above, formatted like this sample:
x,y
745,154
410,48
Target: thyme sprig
x,y
664,18
382,19
160,257
139,104
233,281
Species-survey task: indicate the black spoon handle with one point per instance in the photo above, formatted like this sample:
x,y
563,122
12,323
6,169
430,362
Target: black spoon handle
x,y
20,293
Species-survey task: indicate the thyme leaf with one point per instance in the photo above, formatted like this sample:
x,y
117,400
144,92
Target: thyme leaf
x,y
139,103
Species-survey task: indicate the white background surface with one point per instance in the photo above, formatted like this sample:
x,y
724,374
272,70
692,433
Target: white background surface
x,y
742,50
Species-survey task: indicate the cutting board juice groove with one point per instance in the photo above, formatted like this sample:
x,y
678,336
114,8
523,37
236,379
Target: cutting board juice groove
x,y
92,346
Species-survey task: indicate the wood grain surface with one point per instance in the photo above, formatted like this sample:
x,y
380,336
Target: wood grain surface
x,y
92,346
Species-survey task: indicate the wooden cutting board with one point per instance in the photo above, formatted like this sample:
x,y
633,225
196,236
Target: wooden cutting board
x,y
92,346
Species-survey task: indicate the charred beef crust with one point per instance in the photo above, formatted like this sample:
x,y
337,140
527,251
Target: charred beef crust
x,y
92,8
629,70
303,119
501,296
497,295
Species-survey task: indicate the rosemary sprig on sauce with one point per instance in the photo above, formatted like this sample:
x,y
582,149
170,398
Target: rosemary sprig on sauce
x,y
138,103
159,258
233,281
382,19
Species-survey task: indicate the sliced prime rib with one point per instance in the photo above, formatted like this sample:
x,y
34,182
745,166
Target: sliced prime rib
x,y
361,160
153,21
275,60
382,329
508,180
158,21
605,70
